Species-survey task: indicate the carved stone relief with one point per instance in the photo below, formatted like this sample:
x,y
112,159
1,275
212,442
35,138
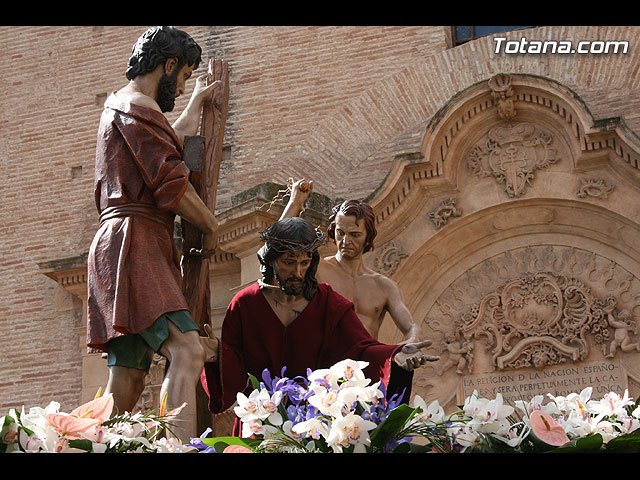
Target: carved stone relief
x,y
543,319
150,398
532,309
594,187
388,258
440,216
511,154
503,95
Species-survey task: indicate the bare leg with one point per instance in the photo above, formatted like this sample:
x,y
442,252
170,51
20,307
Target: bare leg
x,y
186,357
126,384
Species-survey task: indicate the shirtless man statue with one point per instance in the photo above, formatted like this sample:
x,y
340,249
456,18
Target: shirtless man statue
x,y
352,228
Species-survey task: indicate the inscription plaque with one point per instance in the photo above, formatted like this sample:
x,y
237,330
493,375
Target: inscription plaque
x,y
559,380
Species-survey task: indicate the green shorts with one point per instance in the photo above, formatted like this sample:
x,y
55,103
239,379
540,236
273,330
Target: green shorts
x,y
136,349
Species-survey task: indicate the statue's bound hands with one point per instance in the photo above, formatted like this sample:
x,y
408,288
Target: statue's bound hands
x,y
210,344
300,191
210,240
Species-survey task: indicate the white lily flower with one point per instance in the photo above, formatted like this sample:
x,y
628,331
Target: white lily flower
x,y
487,416
611,404
170,445
366,396
9,433
348,430
576,425
628,424
287,428
573,401
512,437
536,403
324,376
461,434
327,401
432,413
44,437
314,428
351,372
258,405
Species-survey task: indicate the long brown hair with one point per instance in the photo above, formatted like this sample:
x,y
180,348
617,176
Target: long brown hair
x,y
361,211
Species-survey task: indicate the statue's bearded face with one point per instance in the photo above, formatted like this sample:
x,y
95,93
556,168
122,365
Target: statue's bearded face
x,y
171,87
290,270
166,96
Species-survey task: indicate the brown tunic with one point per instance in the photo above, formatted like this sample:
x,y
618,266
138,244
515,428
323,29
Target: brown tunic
x,y
133,268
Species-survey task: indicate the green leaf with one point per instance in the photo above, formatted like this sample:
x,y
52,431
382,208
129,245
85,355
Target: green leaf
x,y
81,444
255,383
629,443
391,426
404,447
414,448
592,443
220,443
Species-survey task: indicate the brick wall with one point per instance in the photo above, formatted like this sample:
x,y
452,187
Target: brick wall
x,y
331,103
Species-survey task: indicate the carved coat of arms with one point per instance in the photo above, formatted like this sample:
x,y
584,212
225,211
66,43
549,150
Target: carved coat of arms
x,y
511,154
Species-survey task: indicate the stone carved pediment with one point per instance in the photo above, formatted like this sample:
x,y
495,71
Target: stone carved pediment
x,y
511,154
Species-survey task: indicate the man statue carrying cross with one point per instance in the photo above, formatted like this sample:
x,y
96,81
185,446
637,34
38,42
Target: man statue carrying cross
x,y
135,301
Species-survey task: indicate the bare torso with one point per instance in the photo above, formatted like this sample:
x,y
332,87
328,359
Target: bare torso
x,y
365,289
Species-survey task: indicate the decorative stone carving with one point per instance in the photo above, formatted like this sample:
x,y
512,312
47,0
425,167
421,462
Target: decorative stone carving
x,y
594,188
388,258
542,319
622,323
511,154
502,94
441,214
150,398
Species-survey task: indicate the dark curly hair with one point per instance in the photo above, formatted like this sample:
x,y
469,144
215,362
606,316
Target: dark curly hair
x,y
157,45
295,235
361,211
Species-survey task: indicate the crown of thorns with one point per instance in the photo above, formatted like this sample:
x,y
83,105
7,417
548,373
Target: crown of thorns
x,y
282,245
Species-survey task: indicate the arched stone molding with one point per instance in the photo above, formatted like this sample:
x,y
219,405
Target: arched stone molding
x,y
452,271
581,145
358,134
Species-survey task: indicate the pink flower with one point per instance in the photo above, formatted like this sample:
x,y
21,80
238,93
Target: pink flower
x,y
237,449
83,419
547,429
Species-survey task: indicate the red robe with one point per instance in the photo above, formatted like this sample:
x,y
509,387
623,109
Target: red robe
x,y
253,338
133,265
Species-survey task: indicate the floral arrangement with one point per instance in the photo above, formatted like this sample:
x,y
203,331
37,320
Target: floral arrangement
x,y
88,428
337,410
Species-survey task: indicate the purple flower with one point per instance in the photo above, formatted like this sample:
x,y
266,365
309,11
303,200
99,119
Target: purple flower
x,y
200,445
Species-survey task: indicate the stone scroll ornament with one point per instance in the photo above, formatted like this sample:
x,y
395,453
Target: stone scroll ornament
x,y
388,258
542,319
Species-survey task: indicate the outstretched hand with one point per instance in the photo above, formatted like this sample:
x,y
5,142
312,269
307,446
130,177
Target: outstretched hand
x,y
411,356
210,344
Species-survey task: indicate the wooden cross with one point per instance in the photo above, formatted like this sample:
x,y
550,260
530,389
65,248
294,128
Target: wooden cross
x,y
203,155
